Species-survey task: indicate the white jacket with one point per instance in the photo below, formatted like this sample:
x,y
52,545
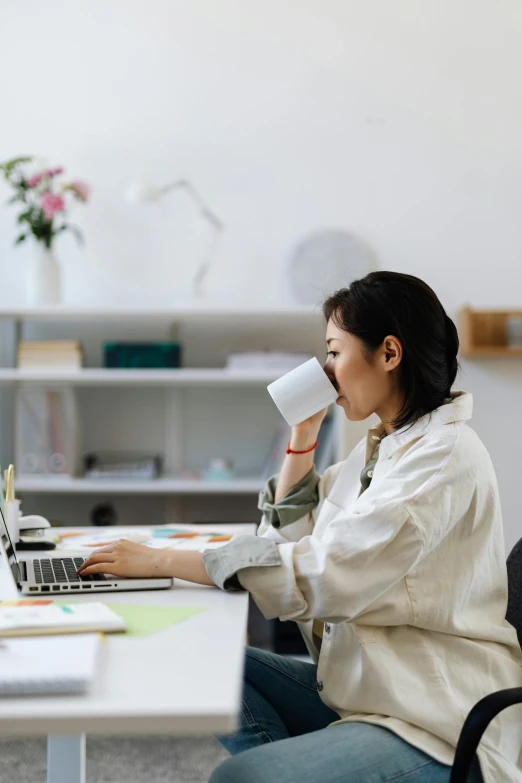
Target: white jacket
x,y
410,579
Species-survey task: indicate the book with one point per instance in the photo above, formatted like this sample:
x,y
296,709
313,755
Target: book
x,y
49,355
37,618
49,345
48,665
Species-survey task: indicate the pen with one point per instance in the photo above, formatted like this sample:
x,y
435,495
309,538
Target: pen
x,y
9,489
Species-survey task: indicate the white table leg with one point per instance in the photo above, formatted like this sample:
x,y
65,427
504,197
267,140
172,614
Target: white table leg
x,y
66,758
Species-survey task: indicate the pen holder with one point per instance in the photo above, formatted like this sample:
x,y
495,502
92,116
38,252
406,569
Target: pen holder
x,y
12,521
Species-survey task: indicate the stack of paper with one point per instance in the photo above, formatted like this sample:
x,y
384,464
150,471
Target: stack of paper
x,y
269,361
122,465
49,355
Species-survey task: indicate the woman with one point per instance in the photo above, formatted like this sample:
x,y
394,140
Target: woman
x,y
392,563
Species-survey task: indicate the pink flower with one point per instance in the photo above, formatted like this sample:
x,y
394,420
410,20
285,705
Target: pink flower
x,y
53,172
81,189
52,203
35,180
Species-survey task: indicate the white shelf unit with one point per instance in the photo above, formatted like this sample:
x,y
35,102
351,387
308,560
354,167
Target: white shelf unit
x,y
191,414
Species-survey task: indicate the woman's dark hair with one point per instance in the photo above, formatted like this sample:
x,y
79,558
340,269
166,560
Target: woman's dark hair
x,y
390,303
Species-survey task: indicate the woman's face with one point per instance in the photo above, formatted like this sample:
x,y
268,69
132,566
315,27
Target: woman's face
x,y
366,384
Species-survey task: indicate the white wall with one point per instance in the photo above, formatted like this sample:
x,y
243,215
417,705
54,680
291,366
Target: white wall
x,y
398,119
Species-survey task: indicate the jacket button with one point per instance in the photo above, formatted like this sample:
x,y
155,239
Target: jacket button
x,y
319,685
327,627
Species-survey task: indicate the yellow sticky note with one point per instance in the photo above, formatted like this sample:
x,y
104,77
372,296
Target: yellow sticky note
x,y
145,620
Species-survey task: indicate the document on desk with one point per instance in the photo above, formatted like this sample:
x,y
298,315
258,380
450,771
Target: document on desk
x,y
48,665
41,617
191,537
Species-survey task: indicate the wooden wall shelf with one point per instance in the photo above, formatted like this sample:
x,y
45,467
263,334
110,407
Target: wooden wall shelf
x,y
483,333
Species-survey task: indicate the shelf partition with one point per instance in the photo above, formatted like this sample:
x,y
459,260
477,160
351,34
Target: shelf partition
x,y
161,486
194,313
109,377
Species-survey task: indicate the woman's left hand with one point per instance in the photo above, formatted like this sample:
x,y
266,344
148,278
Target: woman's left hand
x,y
125,558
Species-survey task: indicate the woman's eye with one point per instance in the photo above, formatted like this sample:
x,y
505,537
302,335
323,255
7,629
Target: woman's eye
x,y
333,354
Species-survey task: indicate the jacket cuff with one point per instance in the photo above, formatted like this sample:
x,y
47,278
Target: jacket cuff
x,y
302,498
222,564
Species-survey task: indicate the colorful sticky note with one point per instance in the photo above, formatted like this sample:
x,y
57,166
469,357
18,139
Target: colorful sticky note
x,y
185,534
165,532
72,533
145,620
26,603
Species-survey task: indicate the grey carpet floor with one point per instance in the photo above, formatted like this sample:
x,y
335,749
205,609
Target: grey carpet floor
x,y
119,760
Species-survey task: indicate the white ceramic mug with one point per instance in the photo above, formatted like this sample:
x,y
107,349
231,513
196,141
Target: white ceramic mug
x,y
302,392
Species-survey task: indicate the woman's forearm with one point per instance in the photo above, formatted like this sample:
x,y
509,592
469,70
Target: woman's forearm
x,y
126,558
296,466
188,566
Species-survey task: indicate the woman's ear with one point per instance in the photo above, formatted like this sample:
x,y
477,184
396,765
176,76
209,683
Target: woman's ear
x,y
392,352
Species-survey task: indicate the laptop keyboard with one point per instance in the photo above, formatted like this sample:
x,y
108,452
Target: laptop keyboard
x,y
62,569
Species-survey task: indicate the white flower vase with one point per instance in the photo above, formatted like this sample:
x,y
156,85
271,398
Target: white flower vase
x,y
44,280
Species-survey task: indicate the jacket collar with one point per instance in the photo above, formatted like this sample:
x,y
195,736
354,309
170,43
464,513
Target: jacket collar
x,y
460,409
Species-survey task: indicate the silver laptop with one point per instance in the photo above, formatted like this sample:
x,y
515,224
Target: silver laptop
x,y
58,574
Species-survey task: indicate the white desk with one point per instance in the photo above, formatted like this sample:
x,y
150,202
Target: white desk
x,y
183,680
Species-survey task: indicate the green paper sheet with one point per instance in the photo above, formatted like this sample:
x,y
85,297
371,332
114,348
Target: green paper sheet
x,y
144,620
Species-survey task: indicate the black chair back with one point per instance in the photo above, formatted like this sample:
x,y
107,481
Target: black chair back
x,y
514,610
487,708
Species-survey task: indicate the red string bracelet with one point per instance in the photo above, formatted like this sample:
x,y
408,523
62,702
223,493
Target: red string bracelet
x,y
291,451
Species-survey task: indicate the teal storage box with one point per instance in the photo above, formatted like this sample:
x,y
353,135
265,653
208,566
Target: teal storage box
x,y
143,356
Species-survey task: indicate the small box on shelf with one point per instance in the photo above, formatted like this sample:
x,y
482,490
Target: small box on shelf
x,y
490,333
156,355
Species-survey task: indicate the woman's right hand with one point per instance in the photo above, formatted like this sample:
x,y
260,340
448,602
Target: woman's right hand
x,y
305,433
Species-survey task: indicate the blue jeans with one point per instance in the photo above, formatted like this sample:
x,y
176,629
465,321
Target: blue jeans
x,y
283,737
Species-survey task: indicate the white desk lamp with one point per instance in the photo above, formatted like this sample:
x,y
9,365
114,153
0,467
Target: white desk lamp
x,y
138,193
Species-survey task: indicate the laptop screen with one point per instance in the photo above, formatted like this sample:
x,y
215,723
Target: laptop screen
x,y
6,540
7,544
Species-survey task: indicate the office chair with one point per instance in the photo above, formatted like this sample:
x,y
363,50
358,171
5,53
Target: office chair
x,y
486,709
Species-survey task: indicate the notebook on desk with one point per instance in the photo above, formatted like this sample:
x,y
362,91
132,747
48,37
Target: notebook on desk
x,y
48,664
39,617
